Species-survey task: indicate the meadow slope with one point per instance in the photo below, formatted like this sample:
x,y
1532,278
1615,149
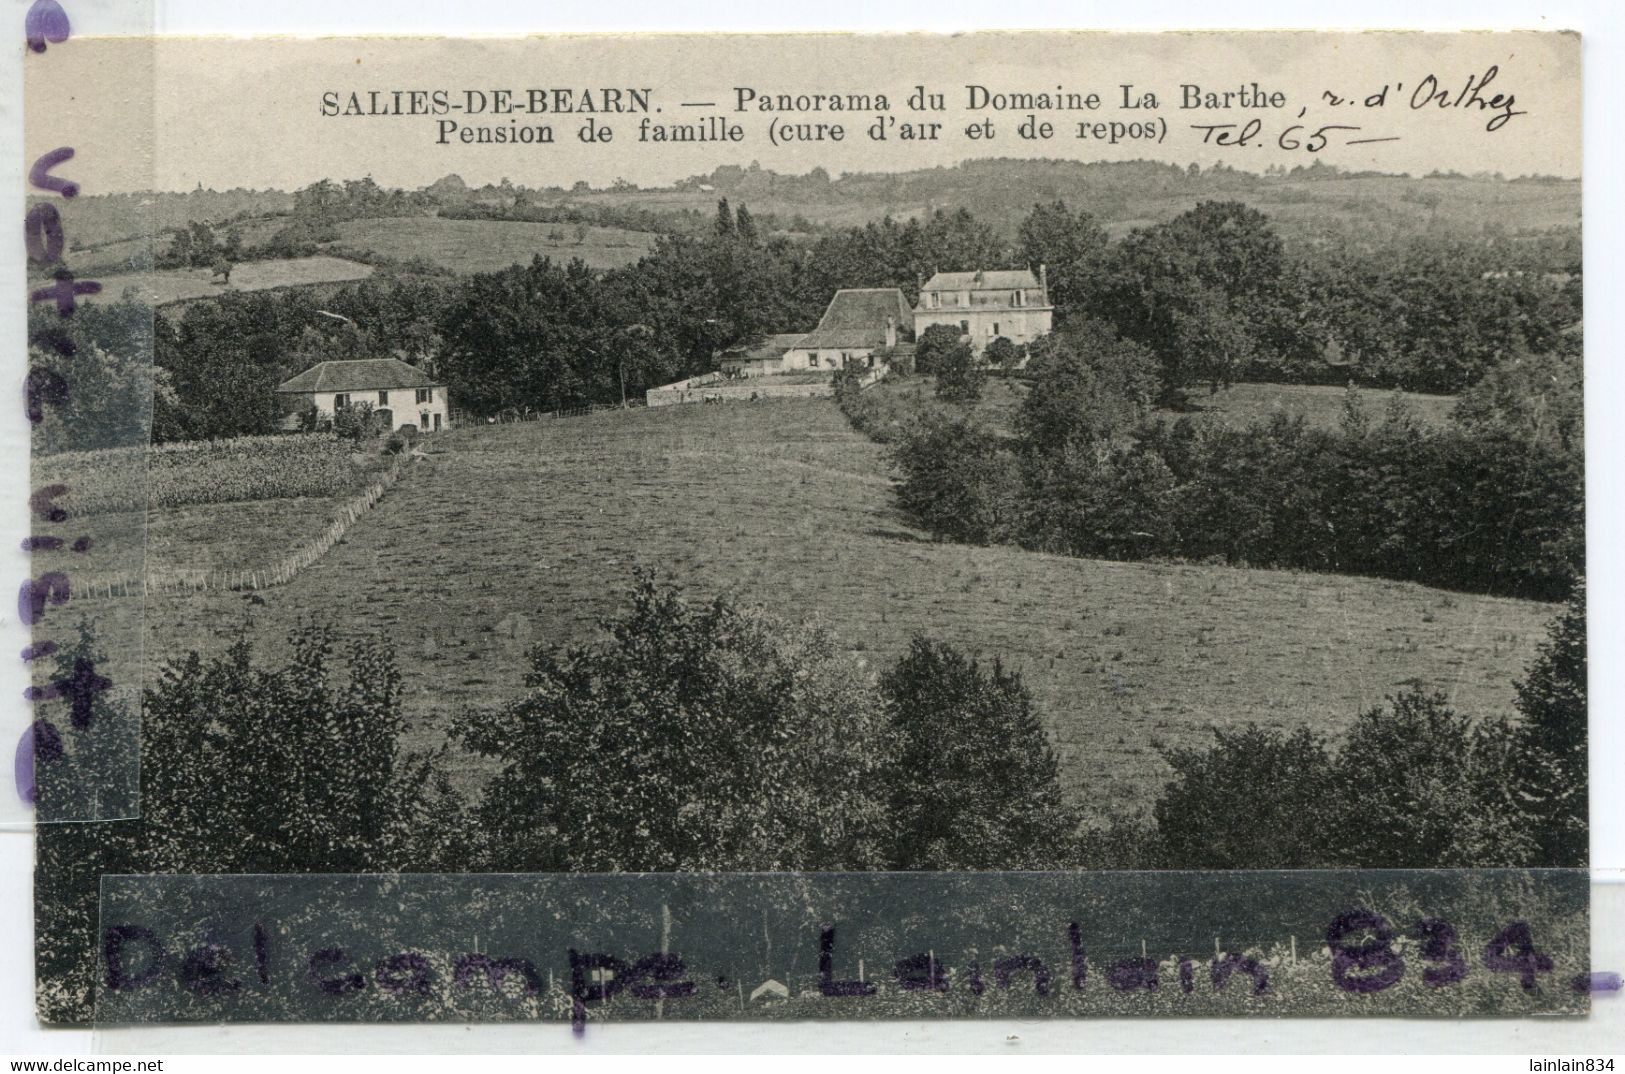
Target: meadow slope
x,y
523,534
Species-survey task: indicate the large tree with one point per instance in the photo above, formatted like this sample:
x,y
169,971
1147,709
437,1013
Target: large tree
x,y
1203,291
1087,385
977,784
691,738
1071,245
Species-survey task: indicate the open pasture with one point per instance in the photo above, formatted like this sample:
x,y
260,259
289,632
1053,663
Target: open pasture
x,y
517,535
162,286
466,246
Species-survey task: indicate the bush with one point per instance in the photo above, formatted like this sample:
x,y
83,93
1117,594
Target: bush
x,y
354,422
960,377
959,481
936,341
1421,786
1414,785
1552,766
1257,798
1002,353
692,738
250,769
977,785
305,740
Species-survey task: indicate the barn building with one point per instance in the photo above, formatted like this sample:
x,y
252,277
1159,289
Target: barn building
x,y
860,328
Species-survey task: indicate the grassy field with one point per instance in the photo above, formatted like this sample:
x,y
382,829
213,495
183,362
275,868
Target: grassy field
x,y
1321,407
162,286
520,534
465,246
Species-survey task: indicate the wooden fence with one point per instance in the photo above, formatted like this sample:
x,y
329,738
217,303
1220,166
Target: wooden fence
x,y
280,572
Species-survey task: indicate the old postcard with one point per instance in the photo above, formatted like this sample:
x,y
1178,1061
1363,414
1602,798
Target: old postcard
x,y
806,526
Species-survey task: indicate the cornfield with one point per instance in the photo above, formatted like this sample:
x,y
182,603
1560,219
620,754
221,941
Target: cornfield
x,y
212,471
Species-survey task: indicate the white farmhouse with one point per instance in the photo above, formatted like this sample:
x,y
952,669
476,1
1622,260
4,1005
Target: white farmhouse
x,y
399,394
987,304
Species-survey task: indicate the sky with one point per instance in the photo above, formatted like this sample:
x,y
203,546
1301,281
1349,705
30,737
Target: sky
x,y
173,113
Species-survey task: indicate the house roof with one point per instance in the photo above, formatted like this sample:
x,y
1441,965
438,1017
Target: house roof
x,y
984,280
857,318
771,347
358,375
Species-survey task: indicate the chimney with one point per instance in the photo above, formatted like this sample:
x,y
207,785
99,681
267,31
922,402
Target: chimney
x,y
1043,281
891,332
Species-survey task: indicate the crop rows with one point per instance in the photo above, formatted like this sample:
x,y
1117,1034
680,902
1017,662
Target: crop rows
x,y
213,471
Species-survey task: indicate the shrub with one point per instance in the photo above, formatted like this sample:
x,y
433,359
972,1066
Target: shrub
x,y
691,738
976,784
305,740
1414,785
1552,767
1101,501
960,377
959,481
1002,353
934,342
354,422
244,769
1421,786
1257,798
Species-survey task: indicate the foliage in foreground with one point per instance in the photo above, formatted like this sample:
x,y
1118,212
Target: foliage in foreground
x,y
714,737
1414,784
694,738
251,769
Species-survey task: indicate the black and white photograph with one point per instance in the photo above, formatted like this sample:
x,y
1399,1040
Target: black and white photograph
x,y
764,470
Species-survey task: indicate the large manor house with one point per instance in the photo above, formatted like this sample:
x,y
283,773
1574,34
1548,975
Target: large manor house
x,y
865,326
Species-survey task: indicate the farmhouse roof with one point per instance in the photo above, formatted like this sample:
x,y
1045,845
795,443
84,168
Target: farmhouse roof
x,y
857,318
996,280
357,375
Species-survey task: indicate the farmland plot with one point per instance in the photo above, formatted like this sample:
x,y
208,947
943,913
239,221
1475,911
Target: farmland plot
x,y
488,245
516,535
197,472
161,286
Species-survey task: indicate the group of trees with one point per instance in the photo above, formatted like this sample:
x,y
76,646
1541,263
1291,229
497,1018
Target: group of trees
x,y
1493,502
692,738
1412,785
1217,296
714,737
198,245
1211,295
245,768
703,737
